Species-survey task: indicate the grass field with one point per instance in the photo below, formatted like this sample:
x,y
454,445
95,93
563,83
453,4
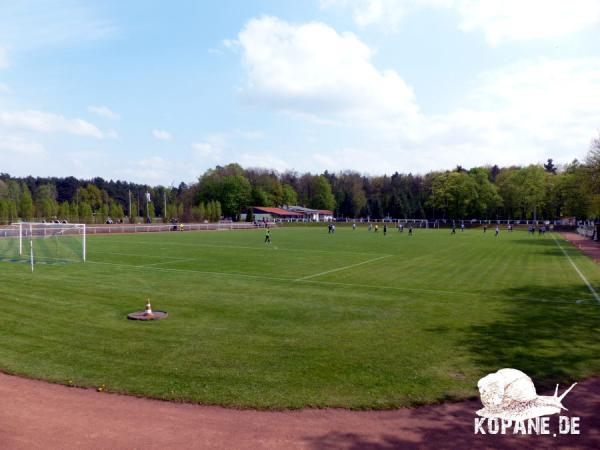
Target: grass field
x,y
353,320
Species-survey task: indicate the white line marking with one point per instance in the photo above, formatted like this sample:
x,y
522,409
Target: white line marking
x,y
341,268
592,290
169,262
134,254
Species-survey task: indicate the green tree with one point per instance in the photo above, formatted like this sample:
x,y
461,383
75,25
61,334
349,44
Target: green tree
x,y
73,212
218,211
85,212
64,211
454,193
4,213
26,206
487,201
116,211
45,201
322,197
210,212
592,178
288,195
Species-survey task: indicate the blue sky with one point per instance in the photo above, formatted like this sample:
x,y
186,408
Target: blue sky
x,y
157,92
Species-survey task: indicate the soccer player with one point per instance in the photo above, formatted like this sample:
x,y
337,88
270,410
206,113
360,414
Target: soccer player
x,y
410,230
453,229
497,231
370,227
354,226
484,228
384,229
376,228
462,226
268,235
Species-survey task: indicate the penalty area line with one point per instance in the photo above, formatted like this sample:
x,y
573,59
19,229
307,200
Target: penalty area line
x,y
585,280
341,268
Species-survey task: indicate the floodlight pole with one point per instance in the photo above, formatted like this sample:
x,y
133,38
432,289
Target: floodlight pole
x,y
20,239
84,243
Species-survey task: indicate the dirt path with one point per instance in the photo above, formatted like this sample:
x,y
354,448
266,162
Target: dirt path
x,y
587,246
39,415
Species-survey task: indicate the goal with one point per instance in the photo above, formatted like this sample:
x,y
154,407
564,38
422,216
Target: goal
x,y
43,242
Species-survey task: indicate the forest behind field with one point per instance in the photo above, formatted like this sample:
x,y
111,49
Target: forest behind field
x,y
225,192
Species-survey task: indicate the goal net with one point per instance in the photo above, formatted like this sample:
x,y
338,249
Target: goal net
x,y
43,242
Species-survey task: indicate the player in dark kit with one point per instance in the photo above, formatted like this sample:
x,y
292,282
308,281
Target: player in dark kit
x,y
453,229
410,230
384,229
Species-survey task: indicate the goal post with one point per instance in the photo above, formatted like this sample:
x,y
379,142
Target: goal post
x,y
44,242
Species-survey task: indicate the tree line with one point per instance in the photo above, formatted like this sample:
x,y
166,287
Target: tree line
x,y
490,192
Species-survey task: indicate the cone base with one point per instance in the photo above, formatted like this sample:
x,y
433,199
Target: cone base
x,y
143,315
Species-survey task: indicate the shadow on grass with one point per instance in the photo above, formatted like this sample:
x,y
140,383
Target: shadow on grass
x,y
536,240
552,342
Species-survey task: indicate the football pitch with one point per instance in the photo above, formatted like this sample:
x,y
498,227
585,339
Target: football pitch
x,y
354,319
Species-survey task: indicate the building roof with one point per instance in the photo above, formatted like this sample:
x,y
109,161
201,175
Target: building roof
x,y
302,209
275,211
325,212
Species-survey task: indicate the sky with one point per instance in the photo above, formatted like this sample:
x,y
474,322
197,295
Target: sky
x,y
157,92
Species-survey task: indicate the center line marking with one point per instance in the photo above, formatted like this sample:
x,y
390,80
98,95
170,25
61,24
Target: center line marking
x,y
592,290
341,268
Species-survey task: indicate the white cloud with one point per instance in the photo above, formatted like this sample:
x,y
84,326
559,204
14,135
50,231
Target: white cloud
x,y
103,111
162,135
48,122
385,13
499,20
310,70
212,147
262,160
531,109
157,170
28,24
4,88
251,135
4,61
522,113
518,20
19,147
